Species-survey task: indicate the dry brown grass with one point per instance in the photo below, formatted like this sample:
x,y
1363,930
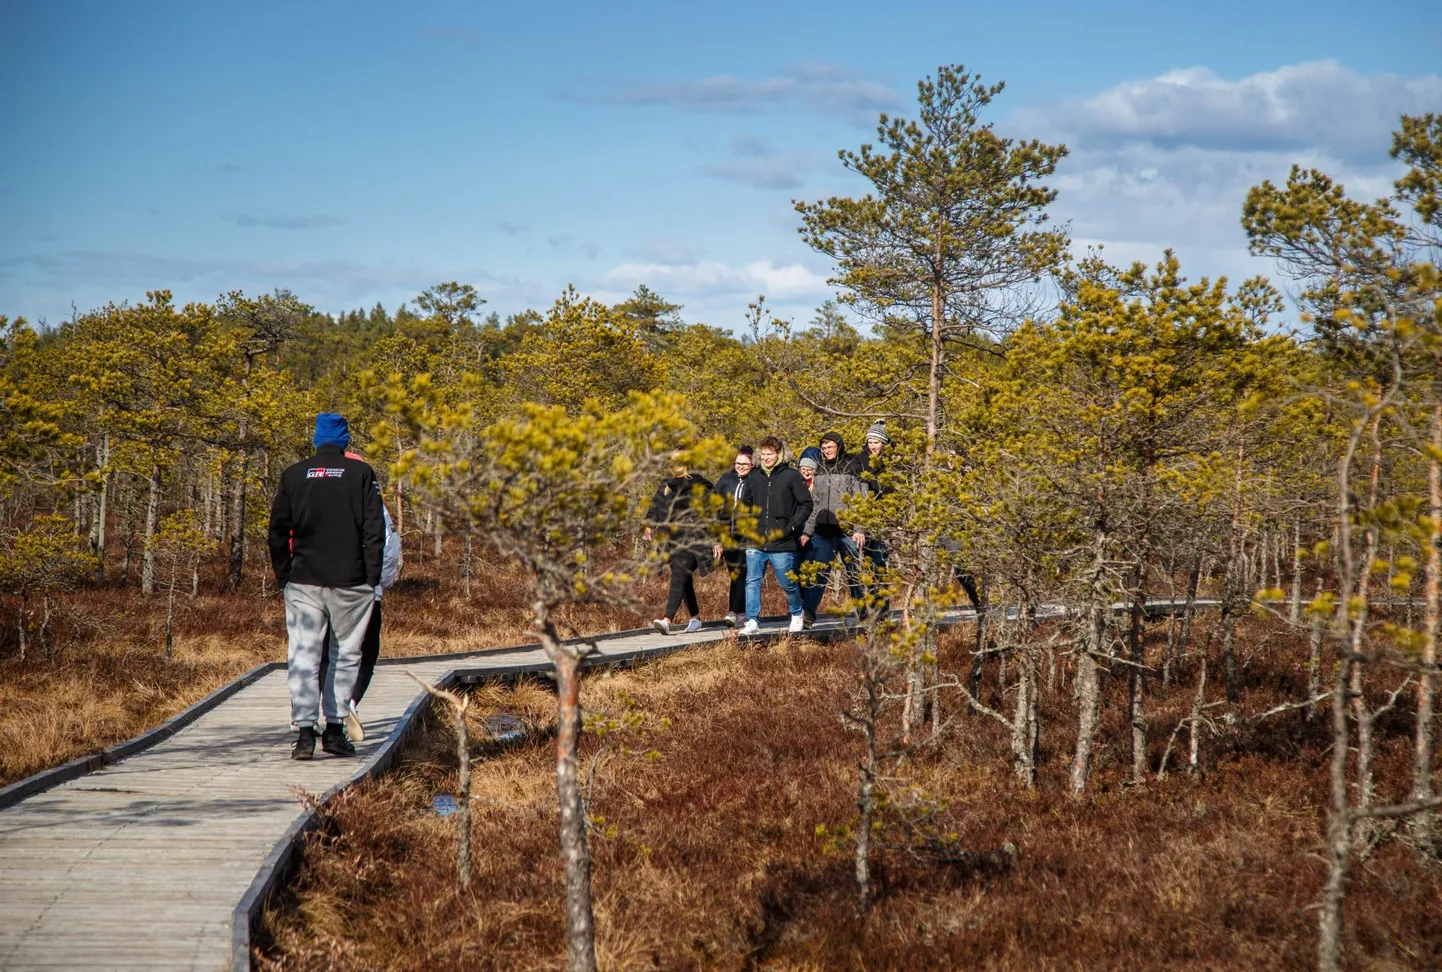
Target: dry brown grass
x,y
709,857
103,686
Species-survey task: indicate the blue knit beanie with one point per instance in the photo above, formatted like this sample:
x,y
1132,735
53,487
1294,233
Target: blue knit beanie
x,y
810,456
331,429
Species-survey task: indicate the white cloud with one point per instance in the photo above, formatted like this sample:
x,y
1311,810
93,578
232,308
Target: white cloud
x,y
1167,161
1318,104
712,278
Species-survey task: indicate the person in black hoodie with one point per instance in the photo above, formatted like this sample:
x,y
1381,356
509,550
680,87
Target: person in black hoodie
x,y
729,487
676,526
327,537
778,496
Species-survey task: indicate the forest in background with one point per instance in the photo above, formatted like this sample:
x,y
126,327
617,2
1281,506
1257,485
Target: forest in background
x,y
1063,430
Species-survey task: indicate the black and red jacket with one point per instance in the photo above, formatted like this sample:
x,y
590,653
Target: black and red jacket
x,y
327,527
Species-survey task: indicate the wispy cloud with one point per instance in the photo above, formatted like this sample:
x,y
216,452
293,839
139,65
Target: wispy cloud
x,y
283,222
512,229
756,163
453,34
568,244
816,86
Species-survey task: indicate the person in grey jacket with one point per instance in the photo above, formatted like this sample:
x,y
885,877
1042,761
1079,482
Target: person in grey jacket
x,y
837,479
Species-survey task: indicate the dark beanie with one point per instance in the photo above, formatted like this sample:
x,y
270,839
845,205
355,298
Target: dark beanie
x,y
331,429
835,437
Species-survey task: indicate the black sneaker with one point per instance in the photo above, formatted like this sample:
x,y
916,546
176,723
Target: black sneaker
x,y
808,620
304,744
333,741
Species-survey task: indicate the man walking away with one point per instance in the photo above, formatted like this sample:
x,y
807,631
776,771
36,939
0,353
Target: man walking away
x,y
729,487
327,539
782,504
371,645
838,477
682,538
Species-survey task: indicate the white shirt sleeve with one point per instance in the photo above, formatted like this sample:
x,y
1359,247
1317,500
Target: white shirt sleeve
x,y
391,559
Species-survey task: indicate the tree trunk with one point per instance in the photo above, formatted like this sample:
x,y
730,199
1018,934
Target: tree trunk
x,y
938,353
1194,580
464,868
170,613
20,622
1088,681
1194,724
236,569
575,856
1295,615
466,564
152,518
1136,641
97,545
1314,653
1339,832
1422,823
866,788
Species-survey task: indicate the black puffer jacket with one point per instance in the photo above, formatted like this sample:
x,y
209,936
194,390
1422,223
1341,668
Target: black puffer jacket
x,y
782,505
675,521
327,527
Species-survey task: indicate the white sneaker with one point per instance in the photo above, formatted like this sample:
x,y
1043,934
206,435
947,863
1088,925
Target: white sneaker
x,y
693,626
750,627
353,727
798,623
662,625
730,619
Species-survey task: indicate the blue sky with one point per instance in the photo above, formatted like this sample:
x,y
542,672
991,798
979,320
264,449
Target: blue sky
x,y
357,152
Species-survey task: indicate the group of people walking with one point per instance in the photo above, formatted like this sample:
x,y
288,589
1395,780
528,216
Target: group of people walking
x,y
799,516
334,552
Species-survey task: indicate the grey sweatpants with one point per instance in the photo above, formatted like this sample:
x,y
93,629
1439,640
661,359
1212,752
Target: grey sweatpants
x,y
309,612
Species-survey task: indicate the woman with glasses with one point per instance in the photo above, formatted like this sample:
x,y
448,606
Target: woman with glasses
x,y
729,488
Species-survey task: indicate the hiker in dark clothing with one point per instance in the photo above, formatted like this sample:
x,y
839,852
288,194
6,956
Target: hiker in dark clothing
x,y
729,488
838,477
675,524
778,496
327,539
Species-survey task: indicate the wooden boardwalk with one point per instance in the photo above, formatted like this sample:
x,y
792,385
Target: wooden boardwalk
x,y
152,862
140,865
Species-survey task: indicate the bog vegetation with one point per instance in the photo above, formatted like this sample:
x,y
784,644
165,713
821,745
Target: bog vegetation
x,y
1064,431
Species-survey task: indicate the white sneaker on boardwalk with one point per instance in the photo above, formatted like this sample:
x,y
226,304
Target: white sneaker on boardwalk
x,y
662,625
750,627
353,727
798,622
730,619
693,626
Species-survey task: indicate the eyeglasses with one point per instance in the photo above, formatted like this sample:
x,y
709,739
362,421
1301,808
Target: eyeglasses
x,y
743,464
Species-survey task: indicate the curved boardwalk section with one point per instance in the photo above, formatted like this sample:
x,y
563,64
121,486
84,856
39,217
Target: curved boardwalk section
x,y
161,859
141,864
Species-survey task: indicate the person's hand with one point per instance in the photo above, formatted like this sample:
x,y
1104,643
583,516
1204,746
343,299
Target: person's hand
x,y
805,539
858,538
716,551
646,534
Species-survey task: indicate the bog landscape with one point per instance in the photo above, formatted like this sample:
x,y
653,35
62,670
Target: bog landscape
x,y
1101,628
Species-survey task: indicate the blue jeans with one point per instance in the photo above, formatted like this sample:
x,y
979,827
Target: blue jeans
x,y
825,549
783,565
